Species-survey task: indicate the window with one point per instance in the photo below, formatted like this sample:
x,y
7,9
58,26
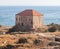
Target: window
x,y
29,19
19,19
25,19
31,22
22,24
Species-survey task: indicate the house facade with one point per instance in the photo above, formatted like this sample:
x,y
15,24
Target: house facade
x,y
29,18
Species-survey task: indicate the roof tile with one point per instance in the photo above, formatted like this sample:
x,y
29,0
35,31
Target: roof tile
x,y
30,13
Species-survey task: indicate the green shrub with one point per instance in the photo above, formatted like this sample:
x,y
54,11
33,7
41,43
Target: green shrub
x,y
18,28
38,29
43,30
37,42
52,44
22,40
9,47
0,25
58,27
52,29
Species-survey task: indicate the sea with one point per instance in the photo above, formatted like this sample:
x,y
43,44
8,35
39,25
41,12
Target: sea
x,y
7,14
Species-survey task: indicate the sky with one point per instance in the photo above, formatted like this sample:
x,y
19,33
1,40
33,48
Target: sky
x,y
29,2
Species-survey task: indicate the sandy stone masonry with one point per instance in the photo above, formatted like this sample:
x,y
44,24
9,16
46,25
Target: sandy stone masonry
x,y
29,18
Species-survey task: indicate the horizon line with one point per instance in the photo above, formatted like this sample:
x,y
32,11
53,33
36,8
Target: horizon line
x,y
23,5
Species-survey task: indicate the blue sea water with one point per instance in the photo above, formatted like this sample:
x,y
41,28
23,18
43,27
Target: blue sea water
x,y
7,14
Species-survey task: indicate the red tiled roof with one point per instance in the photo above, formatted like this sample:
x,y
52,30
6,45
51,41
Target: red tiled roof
x,y
29,13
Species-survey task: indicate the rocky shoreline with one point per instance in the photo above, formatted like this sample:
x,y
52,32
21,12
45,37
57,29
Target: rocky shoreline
x,y
29,40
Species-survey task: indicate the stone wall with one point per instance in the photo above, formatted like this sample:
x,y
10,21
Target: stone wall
x,y
37,22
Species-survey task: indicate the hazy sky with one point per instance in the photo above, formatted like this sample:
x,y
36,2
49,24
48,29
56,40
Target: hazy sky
x,y
30,2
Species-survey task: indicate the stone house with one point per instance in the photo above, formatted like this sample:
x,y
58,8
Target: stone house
x,y
29,18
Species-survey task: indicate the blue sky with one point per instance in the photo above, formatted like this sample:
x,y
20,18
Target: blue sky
x,y
29,2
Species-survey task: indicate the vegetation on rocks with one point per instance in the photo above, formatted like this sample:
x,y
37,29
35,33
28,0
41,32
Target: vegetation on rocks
x,y
18,28
52,29
49,28
9,47
37,42
22,40
19,40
